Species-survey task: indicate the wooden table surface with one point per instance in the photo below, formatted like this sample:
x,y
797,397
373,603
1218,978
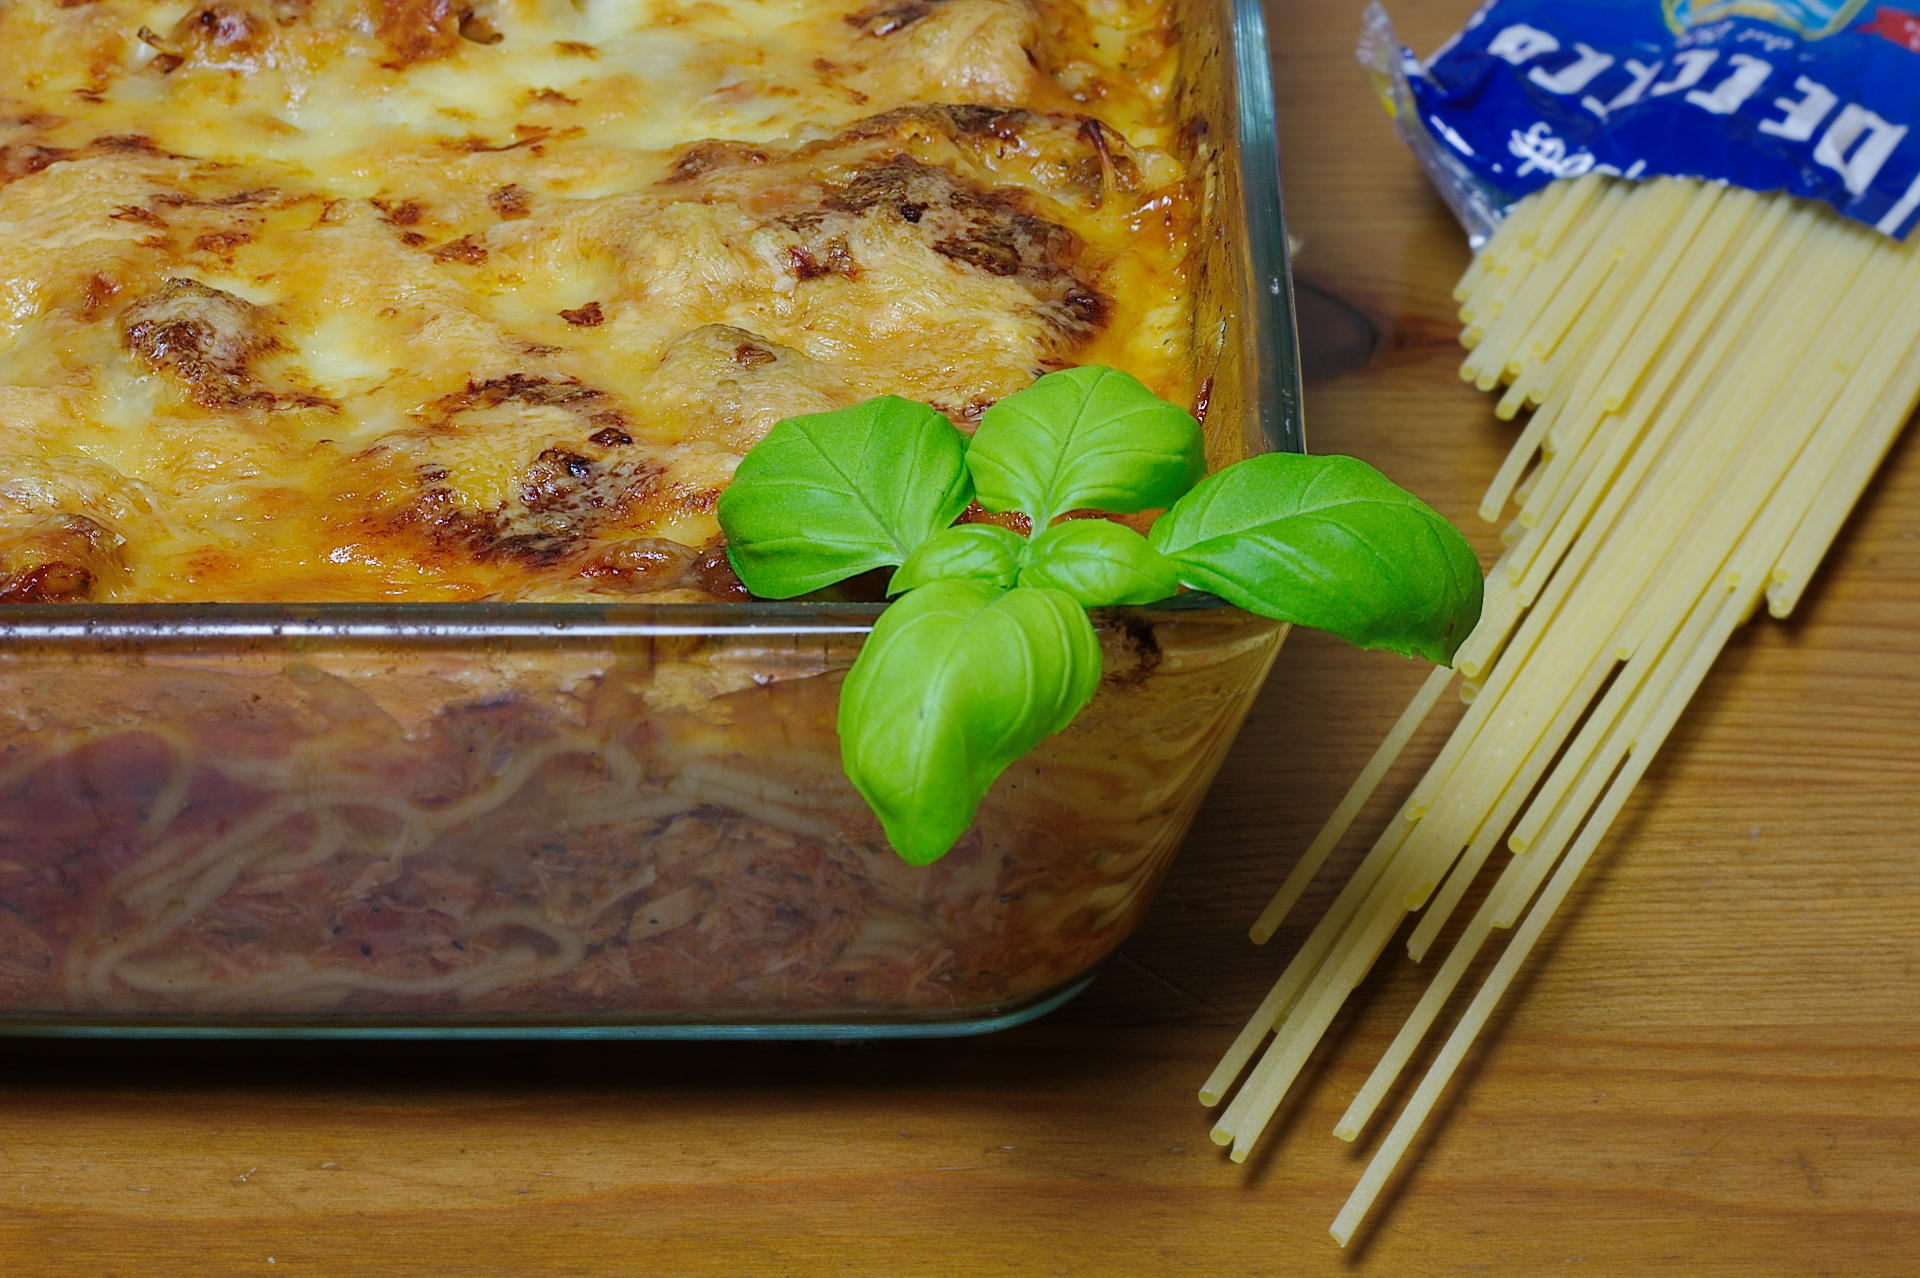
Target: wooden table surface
x,y
1712,1064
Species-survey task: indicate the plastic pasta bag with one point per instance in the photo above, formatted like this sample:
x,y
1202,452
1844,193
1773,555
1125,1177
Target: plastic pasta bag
x,y
1813,98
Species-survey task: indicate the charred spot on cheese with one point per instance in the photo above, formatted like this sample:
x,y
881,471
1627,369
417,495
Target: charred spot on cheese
x,y
100,292
209,341
969,413
1007,124
588,316
704,157
24,159
19,159
885,19
714,571
834,258
405,213
509,201
558,480
125,143
479,28
64,528
57,559
540,510
868,172
220,32
531,389
467,249
54,582
232,199
643,564
135,213
210,224
562,501
524,135
985,230
423,30
403,216
221,243
164,61
1077,155
482,535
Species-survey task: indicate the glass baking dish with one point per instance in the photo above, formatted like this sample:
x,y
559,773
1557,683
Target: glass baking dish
x,y
511,819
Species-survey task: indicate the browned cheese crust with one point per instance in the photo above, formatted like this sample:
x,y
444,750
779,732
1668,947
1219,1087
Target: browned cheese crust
x,y
426,299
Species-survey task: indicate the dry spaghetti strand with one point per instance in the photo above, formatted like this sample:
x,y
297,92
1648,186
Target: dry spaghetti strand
x,y
1716,374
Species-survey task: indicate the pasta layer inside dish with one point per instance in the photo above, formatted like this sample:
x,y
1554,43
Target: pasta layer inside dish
x,y
312,301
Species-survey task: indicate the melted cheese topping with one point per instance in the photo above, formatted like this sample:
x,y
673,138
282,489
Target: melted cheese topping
x,y
430,299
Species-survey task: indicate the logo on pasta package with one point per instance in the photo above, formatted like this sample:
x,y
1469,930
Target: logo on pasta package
x,y
1808,19
1819,98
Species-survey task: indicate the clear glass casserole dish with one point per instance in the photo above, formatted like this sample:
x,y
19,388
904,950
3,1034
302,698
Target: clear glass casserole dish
x,y
500,819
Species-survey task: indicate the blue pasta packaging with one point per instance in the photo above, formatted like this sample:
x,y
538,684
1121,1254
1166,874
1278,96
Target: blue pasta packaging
x,y
1812,97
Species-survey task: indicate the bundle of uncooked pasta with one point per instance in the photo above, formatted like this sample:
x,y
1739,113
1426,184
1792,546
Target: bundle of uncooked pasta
x,y
1714,373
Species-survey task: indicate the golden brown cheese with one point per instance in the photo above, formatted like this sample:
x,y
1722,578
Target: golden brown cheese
x,y
438,299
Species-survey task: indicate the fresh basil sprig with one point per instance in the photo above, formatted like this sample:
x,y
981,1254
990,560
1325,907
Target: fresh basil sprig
x,y
958,679
975,552
1099,562
829,496
1330,543
988,649
1084,439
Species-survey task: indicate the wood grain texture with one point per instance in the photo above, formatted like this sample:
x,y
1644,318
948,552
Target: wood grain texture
x,y
1712,1064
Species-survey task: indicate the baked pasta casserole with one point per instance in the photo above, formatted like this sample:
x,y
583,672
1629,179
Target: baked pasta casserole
x,y
306,302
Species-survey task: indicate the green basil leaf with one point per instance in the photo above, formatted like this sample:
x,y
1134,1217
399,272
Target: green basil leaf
x,y
957,680
1099,562
828,496
980,552
1327,542
1084,439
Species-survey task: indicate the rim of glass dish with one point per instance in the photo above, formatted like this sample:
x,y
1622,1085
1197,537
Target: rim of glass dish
x,y
987,1021
141,625
1272,325
1270,328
